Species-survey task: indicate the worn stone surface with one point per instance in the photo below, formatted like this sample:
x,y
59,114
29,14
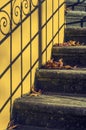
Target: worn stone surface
x,y
51,111
75,16
61,81
72,55
75,33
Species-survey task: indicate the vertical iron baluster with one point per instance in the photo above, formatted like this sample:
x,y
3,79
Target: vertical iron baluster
x,y
30,48
58,21
81,22
10,57
21,38
52,21
40,32
46,29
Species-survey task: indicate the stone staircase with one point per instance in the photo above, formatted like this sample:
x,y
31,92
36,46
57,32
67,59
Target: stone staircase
x,y
62,105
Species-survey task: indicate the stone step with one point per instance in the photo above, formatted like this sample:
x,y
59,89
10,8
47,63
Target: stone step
x,y
75,33
72,55
51,111
80,6
76,18
61,81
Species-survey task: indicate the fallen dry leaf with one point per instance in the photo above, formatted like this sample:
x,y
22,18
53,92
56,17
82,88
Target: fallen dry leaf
x,y
69,67
60,63
34,92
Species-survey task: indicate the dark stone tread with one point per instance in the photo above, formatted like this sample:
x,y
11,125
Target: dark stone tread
x,y
61,81
75,33
51,112
72,55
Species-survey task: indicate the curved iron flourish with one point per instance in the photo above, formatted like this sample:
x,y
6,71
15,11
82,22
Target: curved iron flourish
x,y
4,22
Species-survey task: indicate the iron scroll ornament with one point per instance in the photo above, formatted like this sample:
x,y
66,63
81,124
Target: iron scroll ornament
x,y
4,22
26,7
20,8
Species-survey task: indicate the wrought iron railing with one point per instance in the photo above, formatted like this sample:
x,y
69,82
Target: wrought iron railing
x,y
11,20
83,19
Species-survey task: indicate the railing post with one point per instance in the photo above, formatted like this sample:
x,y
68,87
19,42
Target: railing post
x,y
40,32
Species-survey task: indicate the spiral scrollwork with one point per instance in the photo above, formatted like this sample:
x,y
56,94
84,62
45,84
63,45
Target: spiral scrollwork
x,y
25,6
20,8
4,22
16,12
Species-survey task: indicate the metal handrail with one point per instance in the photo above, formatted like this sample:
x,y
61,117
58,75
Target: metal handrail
x,y
75,22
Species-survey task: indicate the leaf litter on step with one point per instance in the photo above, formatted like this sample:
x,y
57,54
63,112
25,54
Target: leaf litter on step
x,y
69,43
51,64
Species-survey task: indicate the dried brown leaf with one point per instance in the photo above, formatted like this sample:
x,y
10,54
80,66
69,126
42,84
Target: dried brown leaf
x,y
34,92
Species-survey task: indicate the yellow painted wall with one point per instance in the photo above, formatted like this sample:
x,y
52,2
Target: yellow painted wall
x,y
16,46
